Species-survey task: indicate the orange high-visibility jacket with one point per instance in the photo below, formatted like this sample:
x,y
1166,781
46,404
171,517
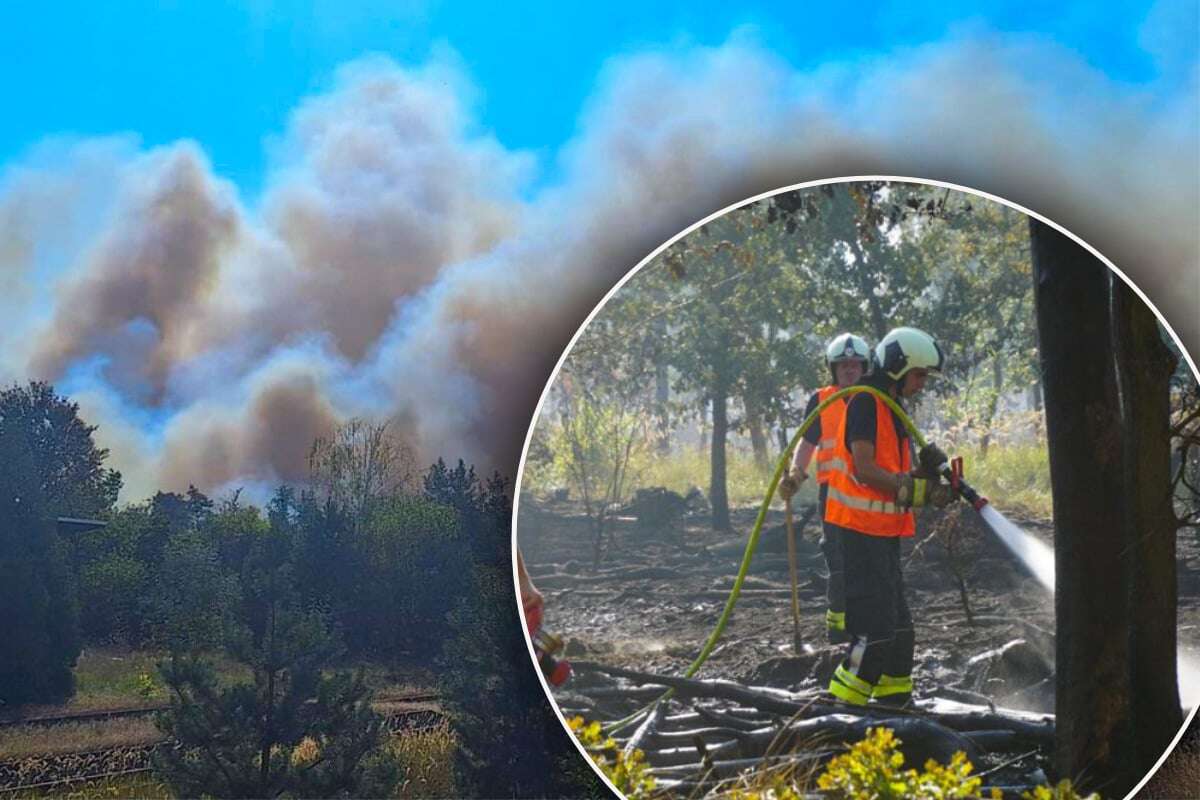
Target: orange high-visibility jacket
x,y
831,422
859,507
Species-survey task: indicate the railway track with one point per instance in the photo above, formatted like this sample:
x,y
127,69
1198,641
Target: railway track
x,y
49,720
63,769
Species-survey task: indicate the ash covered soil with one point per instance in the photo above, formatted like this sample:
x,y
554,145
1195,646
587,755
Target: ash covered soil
x,y
659,591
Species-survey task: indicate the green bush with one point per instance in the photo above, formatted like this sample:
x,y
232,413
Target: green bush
x,y
874,768
1016,477
627,773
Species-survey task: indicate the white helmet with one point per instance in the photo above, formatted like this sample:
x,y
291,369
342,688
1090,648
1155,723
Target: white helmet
x,y
847,347
904,349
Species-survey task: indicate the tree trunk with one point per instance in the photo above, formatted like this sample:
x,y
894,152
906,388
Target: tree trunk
x,y
662,388
662,395
1145,366
758,436
1095,738
717,494
781,435
993,403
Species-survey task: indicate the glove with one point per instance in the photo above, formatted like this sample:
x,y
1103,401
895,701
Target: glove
x,y
790,484
915,492
939,495
930,459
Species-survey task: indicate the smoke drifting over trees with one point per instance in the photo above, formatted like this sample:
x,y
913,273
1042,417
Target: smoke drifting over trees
x,y
402,264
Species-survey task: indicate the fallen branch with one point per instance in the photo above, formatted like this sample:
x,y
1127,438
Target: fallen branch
x,y
646,728
775,701
686,735
960,717
923,738
730,719
676,756
730,768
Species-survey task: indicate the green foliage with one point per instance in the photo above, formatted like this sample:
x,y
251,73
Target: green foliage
x,y
148,686
110,593
154,575
397,608
49,467
874,768
628,773
40,628
737,313
510,743
596,447
191,599
682,470
1063,790
1013,468
360,463
1016,477
292,730
63,459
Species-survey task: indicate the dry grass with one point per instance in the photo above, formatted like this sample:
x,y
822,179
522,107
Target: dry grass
x,y
142,785
114,677
77,737
428,760
388,681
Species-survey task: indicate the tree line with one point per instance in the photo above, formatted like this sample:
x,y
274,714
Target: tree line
x,y
725,331
372,561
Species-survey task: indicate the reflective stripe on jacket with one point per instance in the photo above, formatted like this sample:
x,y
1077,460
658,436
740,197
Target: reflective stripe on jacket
x,y
859,507
831,422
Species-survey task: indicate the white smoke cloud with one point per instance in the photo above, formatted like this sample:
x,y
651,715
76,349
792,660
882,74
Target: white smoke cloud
x,y
393,267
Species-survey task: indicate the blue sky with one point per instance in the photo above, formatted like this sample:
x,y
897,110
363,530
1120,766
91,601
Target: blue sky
x,y
227,74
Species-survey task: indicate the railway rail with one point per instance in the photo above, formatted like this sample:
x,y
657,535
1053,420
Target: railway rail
x,y
64,769
48,720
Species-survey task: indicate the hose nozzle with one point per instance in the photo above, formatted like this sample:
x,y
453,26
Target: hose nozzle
x,y
953,472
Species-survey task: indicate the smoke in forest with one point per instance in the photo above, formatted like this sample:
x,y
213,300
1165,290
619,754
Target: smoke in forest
x,y
402,263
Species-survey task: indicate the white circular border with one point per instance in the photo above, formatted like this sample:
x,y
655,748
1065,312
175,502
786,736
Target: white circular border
x,y
731,207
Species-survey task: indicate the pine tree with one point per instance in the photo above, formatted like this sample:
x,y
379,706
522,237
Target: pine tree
x,y
292,730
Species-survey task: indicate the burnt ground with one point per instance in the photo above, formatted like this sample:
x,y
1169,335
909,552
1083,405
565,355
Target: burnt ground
x,y
658,593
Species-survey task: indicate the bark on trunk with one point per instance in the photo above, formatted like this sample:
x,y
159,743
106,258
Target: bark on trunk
x,y
1146,366
662,393
993,404
758,439
717,494
1095,737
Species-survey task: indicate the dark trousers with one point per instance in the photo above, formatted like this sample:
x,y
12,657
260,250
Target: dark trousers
x,y
877,615
831,547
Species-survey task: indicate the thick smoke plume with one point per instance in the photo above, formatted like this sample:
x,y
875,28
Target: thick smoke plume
x,y
397,265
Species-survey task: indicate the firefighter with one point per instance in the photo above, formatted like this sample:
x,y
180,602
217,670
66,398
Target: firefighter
x,y
871,501
531,598
848,357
